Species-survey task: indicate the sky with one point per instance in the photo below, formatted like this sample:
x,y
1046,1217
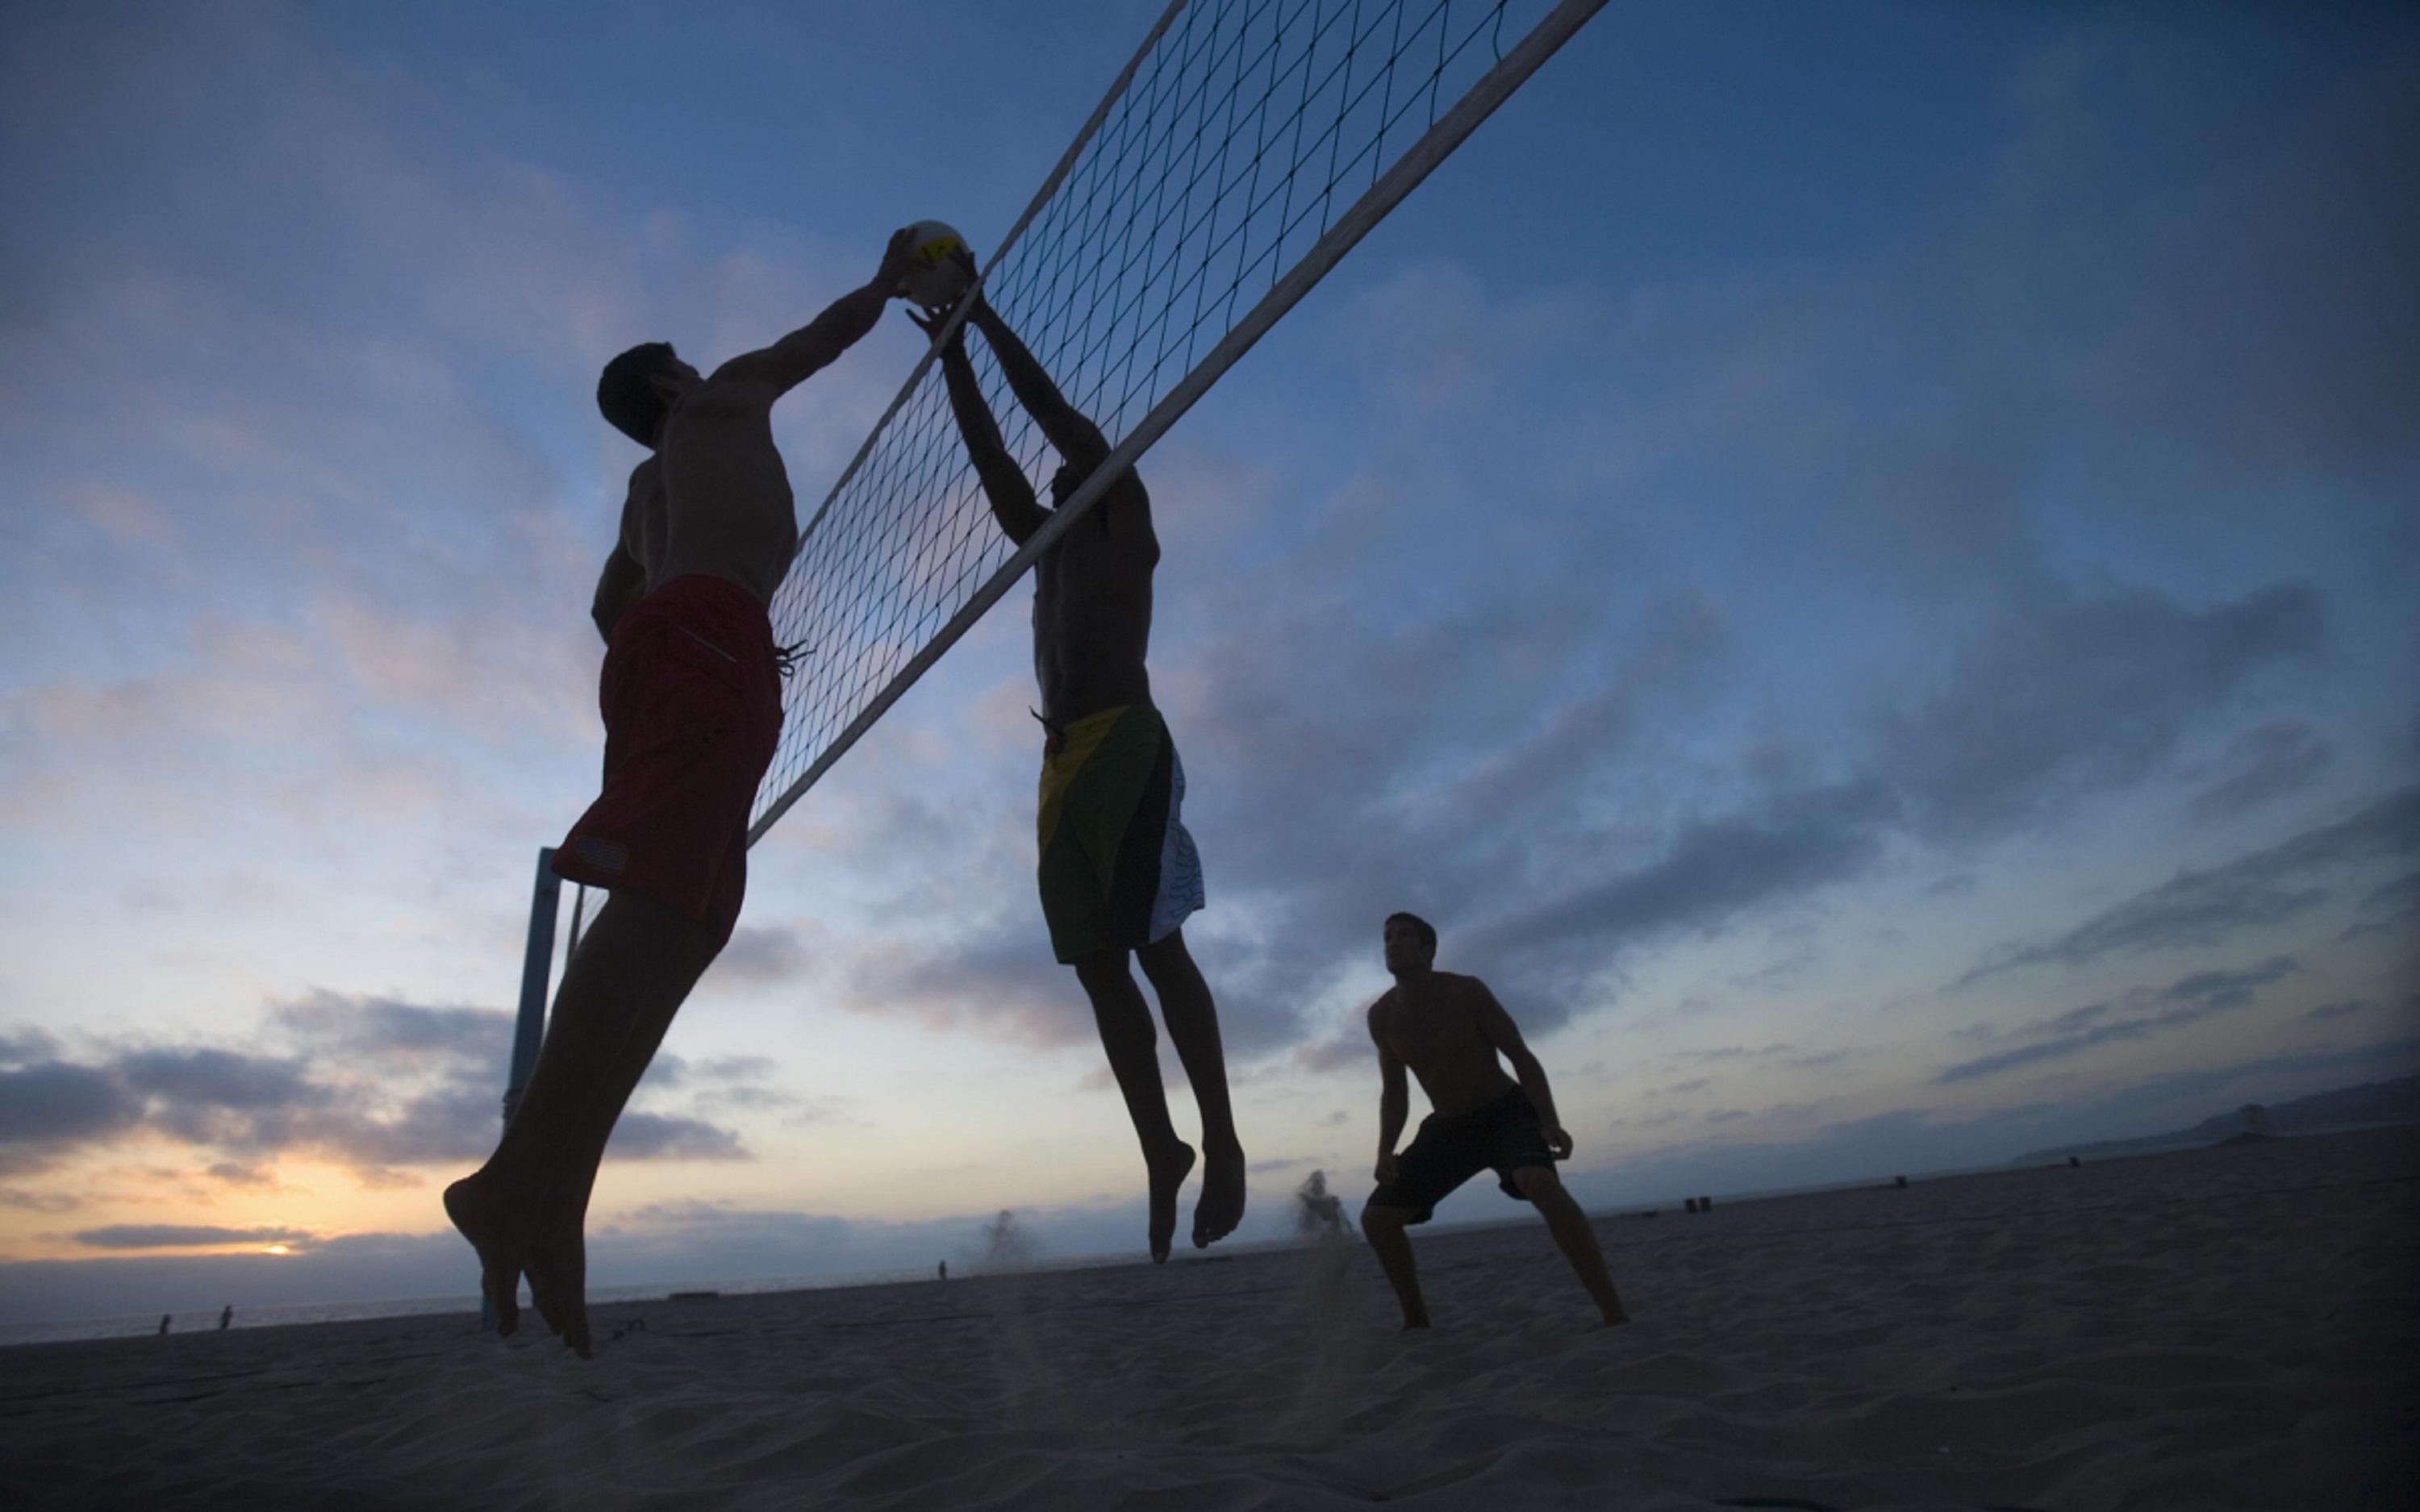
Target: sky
x,y
1856,561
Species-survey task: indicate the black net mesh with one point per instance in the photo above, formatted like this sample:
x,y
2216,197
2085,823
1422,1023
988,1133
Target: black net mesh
x,y
1243,131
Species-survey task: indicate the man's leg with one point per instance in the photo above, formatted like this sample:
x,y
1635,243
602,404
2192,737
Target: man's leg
x,y
1132,1044
525,1208
1192,1017
1573,1234
1393,1247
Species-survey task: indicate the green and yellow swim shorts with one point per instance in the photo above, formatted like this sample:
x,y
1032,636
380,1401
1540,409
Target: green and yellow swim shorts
x,y
1117,868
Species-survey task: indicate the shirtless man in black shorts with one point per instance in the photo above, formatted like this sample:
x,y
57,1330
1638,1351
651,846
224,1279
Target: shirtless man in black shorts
x,y
1448,1029
692,704
1118,872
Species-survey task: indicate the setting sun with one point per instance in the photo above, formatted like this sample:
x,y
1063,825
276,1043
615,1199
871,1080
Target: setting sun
x,y
275,1249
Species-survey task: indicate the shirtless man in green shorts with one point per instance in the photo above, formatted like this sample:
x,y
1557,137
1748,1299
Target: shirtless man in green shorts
x,y
1448,1029
1118,871
693,707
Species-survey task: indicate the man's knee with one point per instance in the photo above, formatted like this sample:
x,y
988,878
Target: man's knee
x,y
1103,972
1376,1219
1165,959
1540,1185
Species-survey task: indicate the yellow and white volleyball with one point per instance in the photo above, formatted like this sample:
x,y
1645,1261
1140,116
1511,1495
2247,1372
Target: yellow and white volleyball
x,y
935,276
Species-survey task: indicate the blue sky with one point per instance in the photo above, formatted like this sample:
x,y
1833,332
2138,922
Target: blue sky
x,y
1856,561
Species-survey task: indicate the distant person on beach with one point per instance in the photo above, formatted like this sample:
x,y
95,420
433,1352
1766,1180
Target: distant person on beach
x,y
692,696
226,1316
1449,1030
945,1271
164,1322
1118,871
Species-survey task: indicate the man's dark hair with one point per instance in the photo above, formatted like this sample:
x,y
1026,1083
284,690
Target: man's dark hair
x,y
629,401
1427,930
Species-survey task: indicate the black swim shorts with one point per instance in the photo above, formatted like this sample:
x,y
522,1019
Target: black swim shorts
x,y
1502,1136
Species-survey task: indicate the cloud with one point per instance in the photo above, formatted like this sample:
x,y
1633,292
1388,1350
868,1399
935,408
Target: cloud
x,y
2197,996
1000,979
2343,1009
22,1046
659,1136
1713,871
2272,761
52,1106
2203,908
374,1084
186,1236
2081,696
761,955
2396,910
41,1202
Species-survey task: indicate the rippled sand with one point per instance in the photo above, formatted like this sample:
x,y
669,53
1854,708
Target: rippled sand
x,y
2226,1328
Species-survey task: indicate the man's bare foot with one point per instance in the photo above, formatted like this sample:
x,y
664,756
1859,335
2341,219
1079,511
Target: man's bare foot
x,y
1221,1205
471,1207
557,1263
1167,1174
1417,1325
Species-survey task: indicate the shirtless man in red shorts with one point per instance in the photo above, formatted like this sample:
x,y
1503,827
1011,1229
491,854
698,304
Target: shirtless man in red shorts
x,y
692,695
1449,1030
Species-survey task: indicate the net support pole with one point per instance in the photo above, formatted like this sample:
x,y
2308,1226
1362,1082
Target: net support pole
x,y
537,965
1449,130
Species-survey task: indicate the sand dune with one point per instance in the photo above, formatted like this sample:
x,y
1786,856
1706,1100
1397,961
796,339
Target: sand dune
x,y
2217,1329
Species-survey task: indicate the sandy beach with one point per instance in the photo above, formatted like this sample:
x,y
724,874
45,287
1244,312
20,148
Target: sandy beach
x,y
2230,1327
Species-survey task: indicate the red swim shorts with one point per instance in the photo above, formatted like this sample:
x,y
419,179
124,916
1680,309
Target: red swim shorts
x,y
692,694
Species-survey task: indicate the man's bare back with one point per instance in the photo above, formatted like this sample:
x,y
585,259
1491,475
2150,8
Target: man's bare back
x,y
714,498
1091,590
1092,608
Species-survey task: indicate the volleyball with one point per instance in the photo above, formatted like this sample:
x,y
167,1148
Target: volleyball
x,y
934,277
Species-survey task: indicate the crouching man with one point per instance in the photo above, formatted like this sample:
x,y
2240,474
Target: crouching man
x,y
1448,1029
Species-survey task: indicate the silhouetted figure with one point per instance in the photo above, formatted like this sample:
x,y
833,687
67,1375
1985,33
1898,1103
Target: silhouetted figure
x,y
163,1323
692,696
226,1316
1319,1213
1118,871
945,1271
1447,1030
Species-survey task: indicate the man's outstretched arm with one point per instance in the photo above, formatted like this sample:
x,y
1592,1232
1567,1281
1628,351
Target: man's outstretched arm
x,y
1003,482
1394,1101
1496,1027
796,357
1077,439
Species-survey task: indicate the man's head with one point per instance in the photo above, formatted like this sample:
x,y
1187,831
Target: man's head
x,y
1411,943
1064,482
637,389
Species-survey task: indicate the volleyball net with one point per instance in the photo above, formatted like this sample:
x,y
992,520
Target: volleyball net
x,y
1243,151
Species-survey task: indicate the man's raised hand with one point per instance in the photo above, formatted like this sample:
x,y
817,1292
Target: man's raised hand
x,y
929,321
891,276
